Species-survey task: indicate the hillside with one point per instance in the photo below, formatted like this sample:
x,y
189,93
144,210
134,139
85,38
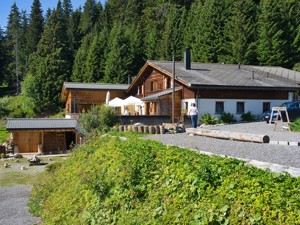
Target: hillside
x,y
110,181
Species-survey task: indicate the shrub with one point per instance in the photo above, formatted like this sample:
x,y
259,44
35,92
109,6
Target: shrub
x,y
16,106
208,119
97,120
295,126
248,117
227,118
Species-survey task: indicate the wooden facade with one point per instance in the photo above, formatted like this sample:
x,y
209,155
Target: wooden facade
x,y
155,82
79,101
43,141
79,98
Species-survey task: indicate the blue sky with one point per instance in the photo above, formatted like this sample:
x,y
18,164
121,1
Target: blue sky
x,y
5,7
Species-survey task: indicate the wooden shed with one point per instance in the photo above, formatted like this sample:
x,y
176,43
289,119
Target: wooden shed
x,y
42,135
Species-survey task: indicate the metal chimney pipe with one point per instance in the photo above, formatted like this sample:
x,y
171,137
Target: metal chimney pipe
x,y
128,79
187,59
252,74
239,66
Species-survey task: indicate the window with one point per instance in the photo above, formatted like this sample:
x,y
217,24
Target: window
x,y
168,82
153,86
266,106
240,107
219,107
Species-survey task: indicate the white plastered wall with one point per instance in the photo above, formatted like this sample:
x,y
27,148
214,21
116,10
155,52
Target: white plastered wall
x,y
255,106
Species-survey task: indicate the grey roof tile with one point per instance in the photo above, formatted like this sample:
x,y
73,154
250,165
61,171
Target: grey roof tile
x,y
40,124
212,74
94,86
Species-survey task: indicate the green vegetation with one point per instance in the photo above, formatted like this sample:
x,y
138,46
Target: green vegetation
x,y
4,135
248,117
295,126
108,43
110,181
13,175
97,120
208,119
227,118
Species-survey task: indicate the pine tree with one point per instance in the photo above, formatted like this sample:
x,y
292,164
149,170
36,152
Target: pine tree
x,y
172,37
35,26
49,65
3,57
89,16
242,32
211,42
13,45
95,63
118,58
271,42
79,67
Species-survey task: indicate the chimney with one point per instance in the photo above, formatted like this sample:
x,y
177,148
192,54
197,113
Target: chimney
x,y
187,59
252,74
239,66
128,79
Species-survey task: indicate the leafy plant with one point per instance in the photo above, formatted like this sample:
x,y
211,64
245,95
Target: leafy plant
x,y
295,126
248,117
208,119
98,119
227,118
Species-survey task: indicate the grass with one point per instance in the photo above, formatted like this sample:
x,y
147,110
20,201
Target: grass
x,y
4,134
14,176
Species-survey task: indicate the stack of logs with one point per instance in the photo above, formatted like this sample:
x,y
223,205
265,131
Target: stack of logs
x,y
155,129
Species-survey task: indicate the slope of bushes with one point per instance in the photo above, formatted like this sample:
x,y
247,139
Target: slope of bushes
x,y
110,181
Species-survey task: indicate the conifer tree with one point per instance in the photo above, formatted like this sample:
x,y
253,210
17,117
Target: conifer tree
x,y
95,63
172,37
49,64
35,26
271,42
211,42
13,33
3,56
89,16
79,67
242,32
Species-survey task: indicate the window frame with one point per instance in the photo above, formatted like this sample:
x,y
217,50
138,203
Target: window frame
x,y
221,104
264,107
237,107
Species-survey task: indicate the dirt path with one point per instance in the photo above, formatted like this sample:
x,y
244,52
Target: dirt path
x,y
13,206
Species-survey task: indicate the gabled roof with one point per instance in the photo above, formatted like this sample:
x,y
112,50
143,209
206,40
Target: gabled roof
x,y
40,124
212,75
68,86
160,94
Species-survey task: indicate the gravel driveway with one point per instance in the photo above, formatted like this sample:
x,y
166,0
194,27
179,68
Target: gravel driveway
x,y
284,155
13,206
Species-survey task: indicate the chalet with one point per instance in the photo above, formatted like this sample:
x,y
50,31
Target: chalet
x,y
42,135
80,97
215,88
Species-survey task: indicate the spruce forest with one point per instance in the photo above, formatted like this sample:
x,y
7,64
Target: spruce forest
x,y
107,43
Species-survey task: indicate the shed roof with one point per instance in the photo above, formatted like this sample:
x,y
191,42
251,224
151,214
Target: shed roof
x,y
40,124
213,75
94,86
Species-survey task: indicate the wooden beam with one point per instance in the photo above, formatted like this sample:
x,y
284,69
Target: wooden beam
x,y
229,135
